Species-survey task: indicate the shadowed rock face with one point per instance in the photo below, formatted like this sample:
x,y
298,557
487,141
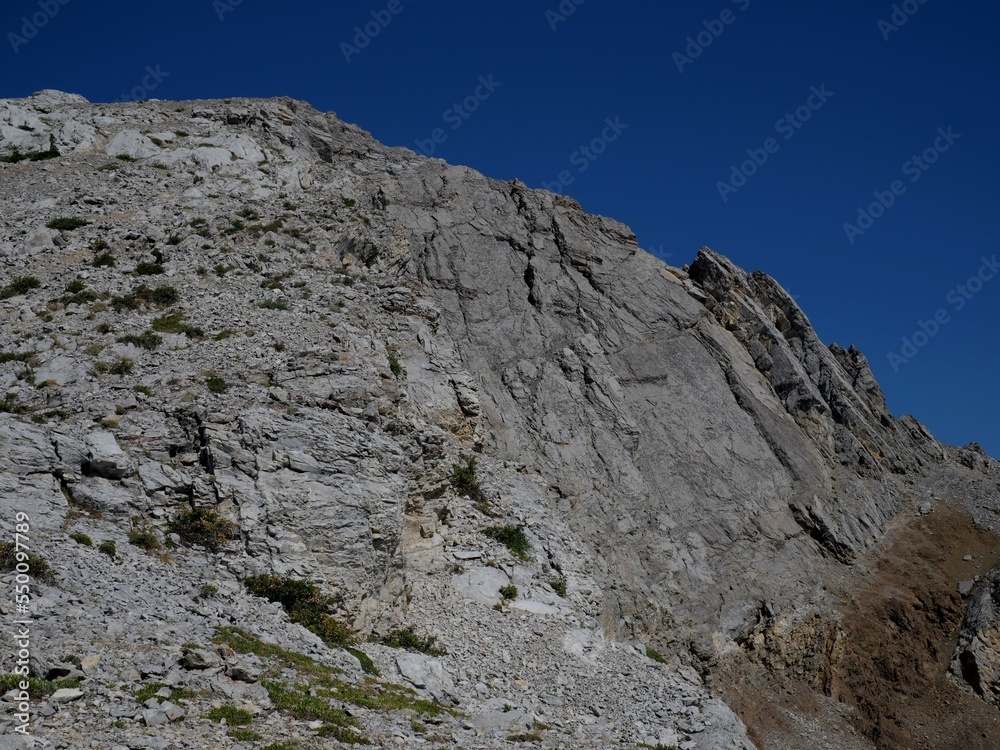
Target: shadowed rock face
x,y
352,322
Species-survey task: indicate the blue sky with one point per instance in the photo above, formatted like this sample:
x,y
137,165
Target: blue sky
x,y
757,128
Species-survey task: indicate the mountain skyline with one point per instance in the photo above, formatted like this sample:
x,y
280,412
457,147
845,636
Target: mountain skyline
x,y
846,150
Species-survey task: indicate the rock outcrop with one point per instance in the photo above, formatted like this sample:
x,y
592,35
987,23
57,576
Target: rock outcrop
x,y
355,361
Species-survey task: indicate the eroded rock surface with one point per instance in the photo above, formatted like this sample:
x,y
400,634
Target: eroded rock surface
x,y
254,309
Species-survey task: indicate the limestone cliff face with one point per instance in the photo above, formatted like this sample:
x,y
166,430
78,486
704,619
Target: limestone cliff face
x,y
694,469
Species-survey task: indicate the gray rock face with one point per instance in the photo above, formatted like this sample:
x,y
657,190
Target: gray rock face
x,y
338,325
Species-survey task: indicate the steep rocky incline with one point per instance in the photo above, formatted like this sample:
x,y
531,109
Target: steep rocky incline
x,y
252,310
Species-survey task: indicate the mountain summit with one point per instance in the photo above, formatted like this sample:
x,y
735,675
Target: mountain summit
x,y
325,442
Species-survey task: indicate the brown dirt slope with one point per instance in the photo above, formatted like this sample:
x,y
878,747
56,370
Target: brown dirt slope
x,y
873,674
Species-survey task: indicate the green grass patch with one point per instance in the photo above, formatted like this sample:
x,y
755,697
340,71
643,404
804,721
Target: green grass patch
x,y
108,548
83,539
234,717
37,688
245,735
151,689
655,655
367,665
243,643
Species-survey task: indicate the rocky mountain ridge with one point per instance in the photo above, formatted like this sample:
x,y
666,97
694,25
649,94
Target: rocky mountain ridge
x,y
253,309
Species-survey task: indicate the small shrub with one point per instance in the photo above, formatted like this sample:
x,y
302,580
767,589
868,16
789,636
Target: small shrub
x,y
108,548
10,404
394,367
148,269
20,285
305,603
15,356
348,202
512,537
147,340
273,304
204,527
83,539
143,536
509,593
175,323
174,239
464,479
207,591
216,384
76,286
160,296
224,334
233,716
144,390
126,158
67,224
122,366
407,638
38,566
103,260
559,586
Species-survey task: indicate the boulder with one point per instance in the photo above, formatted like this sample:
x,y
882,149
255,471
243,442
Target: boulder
x,y
105,458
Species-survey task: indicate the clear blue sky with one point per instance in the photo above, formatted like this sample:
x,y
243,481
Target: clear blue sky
x,y
691,116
